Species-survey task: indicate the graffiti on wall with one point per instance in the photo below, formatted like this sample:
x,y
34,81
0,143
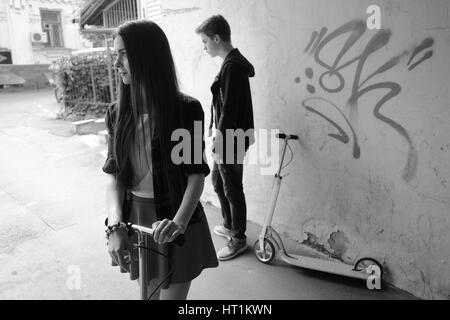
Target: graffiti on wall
x,y
332,81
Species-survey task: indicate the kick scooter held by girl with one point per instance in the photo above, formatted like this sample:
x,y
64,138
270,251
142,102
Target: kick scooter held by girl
x,y
269,243
141,245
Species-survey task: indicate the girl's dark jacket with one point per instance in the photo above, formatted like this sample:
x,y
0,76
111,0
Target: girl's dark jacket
x,y
192,111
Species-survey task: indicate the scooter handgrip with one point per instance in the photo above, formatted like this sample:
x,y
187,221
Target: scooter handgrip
x,y
179,240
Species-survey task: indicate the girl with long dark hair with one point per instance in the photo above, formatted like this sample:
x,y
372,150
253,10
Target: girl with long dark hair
x,y
146,185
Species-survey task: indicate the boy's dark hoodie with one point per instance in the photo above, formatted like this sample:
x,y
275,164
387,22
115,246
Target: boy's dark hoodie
x,y
232,101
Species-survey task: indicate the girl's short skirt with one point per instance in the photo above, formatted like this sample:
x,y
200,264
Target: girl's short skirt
x,y
186,261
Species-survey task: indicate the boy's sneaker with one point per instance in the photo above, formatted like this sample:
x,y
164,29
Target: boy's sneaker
x,y
233,248
220,230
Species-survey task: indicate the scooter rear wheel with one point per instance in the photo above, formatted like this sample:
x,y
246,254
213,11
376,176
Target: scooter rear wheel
x,y
364,264
266,254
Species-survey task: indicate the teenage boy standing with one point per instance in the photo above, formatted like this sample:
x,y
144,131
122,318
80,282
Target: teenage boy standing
x,y
231,109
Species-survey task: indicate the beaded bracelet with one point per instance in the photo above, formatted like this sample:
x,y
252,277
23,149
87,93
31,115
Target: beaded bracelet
x,y
114,227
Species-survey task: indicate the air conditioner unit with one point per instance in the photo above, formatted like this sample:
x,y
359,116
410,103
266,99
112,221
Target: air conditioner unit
x,y
39,37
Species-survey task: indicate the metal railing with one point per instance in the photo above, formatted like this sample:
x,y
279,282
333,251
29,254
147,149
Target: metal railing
x,y
119,12
89,82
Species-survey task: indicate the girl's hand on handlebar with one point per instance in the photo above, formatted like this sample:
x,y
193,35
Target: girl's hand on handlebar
x,y
119,246
166,231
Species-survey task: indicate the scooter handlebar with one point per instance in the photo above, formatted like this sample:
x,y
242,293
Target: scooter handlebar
x,y
145,230
149,231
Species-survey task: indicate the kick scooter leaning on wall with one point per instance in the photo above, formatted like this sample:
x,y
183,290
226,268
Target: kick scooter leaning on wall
x,y
269,244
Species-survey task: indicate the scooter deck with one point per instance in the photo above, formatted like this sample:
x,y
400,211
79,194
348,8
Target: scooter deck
x,y
317,264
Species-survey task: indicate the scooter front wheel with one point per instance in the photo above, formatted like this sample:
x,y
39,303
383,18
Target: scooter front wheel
x,y
266,254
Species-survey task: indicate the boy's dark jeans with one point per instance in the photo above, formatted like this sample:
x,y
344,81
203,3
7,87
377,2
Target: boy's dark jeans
x,y
227,182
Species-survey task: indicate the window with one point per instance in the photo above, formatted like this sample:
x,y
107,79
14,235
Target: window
x,y
18,4
51,25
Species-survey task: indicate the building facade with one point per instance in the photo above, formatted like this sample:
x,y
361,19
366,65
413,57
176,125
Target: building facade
x,y
39,31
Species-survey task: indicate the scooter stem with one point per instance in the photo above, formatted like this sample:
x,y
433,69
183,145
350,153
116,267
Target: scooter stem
x,y
273,198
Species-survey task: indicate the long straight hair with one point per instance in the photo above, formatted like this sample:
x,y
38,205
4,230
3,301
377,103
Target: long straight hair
x,y
153,90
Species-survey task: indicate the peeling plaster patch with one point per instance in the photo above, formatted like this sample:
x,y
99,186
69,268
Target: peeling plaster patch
x,y
335,246
179,11
326,238
338,243
316,234
321,229
343,248
313,242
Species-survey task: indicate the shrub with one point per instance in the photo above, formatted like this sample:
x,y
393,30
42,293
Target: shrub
x,y
84,81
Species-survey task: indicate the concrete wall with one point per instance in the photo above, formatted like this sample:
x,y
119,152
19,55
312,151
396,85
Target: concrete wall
x,y
17,24
370,175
